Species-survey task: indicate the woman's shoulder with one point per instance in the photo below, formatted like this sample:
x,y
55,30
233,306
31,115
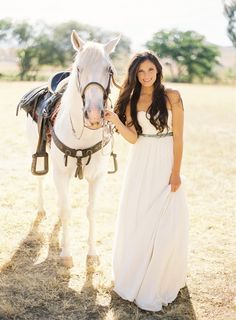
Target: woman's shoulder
x,y
174,97
172,93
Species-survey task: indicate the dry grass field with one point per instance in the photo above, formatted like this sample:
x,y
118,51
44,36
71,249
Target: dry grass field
x,y
33,285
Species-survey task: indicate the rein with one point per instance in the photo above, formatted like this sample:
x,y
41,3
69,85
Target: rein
x,y
115,83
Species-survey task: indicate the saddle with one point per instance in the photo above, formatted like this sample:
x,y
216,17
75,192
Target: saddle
x,y
41,100
40,104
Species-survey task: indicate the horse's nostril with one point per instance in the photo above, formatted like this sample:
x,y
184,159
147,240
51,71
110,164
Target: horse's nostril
x,y
102,113
95,124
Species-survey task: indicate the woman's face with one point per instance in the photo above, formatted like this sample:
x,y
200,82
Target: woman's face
x,y
147,73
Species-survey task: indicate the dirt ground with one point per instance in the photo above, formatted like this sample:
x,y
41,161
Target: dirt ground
x,y
33,285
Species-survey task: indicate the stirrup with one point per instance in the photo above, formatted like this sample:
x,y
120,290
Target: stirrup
x,y
115,164
38,168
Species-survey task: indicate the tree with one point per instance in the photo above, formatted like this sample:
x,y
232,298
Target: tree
x,y
5,25
41,44
62,32
194,57
25,37
26,52
230,13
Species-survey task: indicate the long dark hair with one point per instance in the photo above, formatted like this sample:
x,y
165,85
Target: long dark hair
x,y
130,93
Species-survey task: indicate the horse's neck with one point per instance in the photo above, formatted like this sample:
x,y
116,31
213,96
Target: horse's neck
x,y
69,124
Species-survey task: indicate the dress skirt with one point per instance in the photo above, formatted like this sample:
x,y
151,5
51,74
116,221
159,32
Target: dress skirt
x,y
151,236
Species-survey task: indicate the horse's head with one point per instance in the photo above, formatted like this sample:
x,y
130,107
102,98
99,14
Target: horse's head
x,y
94,71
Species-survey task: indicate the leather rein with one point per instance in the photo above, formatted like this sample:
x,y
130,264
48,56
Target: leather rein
x,y
79,154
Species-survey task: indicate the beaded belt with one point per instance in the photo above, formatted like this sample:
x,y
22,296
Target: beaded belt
x,y
158,135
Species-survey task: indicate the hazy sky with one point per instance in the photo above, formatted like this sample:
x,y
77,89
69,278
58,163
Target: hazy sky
x,y
135,18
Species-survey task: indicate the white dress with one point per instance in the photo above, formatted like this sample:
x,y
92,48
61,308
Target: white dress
x,y
151,236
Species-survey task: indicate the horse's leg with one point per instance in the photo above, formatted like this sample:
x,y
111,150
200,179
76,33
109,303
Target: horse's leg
x,y
94,187
41,210
61,180
32,132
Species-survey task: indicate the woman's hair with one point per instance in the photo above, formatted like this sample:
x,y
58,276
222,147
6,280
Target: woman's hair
x,y
130,93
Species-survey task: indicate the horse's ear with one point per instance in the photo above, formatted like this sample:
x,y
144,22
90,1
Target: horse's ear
x,y
110,46
76,41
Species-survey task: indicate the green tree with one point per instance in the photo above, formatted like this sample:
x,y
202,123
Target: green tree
x,y
230,13
62,32
35,46
23,32
193,56
21,35
41,44
5,26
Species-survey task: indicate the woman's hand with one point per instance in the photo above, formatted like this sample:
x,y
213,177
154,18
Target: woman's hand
x,y
175,182
129,133
112,117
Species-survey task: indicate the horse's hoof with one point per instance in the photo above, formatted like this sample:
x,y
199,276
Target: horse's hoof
x,y
92,261
41,214
66,262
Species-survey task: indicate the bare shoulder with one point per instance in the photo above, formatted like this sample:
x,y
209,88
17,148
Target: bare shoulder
x,y
174,98
172,94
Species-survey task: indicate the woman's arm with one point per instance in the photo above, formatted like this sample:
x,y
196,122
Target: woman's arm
x,y
128,133
177,124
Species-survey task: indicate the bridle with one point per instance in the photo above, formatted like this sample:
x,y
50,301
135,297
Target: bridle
x,y
106,91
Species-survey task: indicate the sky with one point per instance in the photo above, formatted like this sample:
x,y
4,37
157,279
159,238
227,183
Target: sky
x,y
137,19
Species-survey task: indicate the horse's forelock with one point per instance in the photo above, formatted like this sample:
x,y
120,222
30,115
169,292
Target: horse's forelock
x,y
92,52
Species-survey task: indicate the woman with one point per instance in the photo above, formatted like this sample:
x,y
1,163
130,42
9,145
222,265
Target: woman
x,y
150,250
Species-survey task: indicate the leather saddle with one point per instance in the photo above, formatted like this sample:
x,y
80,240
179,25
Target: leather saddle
x,y
40,101
40,104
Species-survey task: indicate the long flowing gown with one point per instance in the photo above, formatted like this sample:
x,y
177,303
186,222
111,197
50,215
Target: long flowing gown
x,y
151,236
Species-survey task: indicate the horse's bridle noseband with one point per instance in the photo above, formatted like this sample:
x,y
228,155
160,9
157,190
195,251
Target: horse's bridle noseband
x,y
106,91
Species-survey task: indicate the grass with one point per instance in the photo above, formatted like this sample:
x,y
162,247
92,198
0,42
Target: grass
x,y
33,285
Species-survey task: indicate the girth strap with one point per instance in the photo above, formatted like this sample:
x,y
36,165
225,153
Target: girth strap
x,y
79,154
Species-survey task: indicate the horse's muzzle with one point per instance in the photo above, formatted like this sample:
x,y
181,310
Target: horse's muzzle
x,y
94,118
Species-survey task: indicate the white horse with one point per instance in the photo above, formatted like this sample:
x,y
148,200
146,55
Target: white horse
x,y
79,125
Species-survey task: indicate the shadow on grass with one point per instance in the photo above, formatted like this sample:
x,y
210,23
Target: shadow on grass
x,y
180,309
41,291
